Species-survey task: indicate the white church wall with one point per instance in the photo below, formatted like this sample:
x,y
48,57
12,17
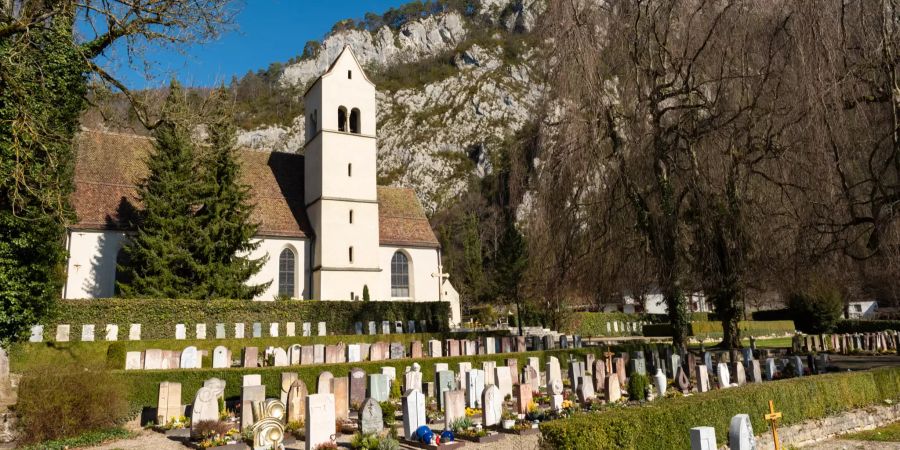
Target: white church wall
x,y
91,267
341,285
358,181
338,235
273,246
423,262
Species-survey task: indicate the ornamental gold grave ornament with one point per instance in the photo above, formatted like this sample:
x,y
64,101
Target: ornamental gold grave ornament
x,y
268,428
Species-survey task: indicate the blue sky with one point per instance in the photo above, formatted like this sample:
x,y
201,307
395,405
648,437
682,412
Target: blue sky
x,y
267,31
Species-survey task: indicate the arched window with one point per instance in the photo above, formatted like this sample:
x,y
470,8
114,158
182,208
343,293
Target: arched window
x,y
399,275
354,121
287,270
342,119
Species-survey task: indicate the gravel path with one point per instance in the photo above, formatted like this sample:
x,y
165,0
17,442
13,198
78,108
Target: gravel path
x,y
843,444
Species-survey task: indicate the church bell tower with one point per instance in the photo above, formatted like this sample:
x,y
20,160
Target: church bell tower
x,y
340,180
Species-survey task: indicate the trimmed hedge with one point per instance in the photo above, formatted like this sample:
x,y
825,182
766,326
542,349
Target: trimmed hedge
x,y
714,329
867,326
666,423
594,324
159,317
145,384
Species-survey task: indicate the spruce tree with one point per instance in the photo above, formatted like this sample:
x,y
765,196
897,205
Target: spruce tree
x,y
159,262
225,218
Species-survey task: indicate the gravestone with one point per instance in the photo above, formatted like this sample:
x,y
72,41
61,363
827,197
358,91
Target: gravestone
x,y
755,372
200,331
306,329
770,369
323,329
320,420
415,350
134,361
112,332
378,351
280,358
410,326
370,417
524,396
206,407
294,354
599,374
660,382
740,433
62,333
358,328
504,381
454,406
474,387
490,345
318,353
492,400
553,371
413,407
797,365
37,334
703,438
446,381
220,331
334,354
373,329
440,366
134,332
452,347
239,331
251,357
619,365
722,376
340,387
398,327
323,384
357,387
180,332
251,380
471,347
353,354
169,404
378,387
490,372
398,351
681,380
585,391
390,373
412,381
190,359
702,378
274,329
385,327
613,390
740,375
290,329
249,396
153,359
257,330
307,355
287,380
563,342
221,359
296,401
532,378
575,374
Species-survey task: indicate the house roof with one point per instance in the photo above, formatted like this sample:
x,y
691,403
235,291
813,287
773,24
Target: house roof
x,y
110,165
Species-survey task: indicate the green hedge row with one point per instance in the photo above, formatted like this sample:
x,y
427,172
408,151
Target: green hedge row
x,y
595,324
144,385
116,351
158,317
666,423
867,326
714,329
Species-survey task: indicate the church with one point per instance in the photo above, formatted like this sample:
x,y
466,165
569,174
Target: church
x,y
327,229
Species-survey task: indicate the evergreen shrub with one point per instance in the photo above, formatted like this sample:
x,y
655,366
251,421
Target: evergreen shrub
x,y
866,326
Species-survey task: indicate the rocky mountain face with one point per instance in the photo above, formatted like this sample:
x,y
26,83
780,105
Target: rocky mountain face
x,y
452,88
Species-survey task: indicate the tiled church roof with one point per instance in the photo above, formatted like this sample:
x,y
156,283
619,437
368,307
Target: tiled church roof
x,y
109,165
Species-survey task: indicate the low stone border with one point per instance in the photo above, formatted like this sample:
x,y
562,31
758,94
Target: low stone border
x,y
813,431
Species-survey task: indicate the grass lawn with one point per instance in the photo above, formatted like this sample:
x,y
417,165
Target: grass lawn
x,y
888,433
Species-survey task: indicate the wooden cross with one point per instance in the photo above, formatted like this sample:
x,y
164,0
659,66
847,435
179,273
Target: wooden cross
x,y
608,354
773,417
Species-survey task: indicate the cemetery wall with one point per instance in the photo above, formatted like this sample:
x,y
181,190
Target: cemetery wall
x,y
158,317
650,427
714,329
867,326
145,384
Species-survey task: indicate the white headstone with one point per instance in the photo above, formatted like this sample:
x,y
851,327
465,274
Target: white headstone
x,y
134,332
703,438
133,361
740,433
251,380
280,357
504,381
290,329
490,372
353,353
413,381
413,412
294,354
201,331
87,333
190,358
221,360
180,332
474,387
37,334
322,329
112,332
62,333
492,400
723,376
239,331
206,407
307,329
320,419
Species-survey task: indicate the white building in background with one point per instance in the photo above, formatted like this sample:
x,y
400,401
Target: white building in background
x,y
328,230
862,309
656,304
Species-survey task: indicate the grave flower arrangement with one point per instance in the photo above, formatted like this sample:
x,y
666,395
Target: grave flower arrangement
x,y
471,412
297,428
465,428
175,423
432,413
216,433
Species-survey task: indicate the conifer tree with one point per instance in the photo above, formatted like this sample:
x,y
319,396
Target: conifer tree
x,y
225,218
158,260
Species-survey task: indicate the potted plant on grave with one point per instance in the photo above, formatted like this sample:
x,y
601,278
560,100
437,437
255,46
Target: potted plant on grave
x,y
297,428
508,420
432,413
215,433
